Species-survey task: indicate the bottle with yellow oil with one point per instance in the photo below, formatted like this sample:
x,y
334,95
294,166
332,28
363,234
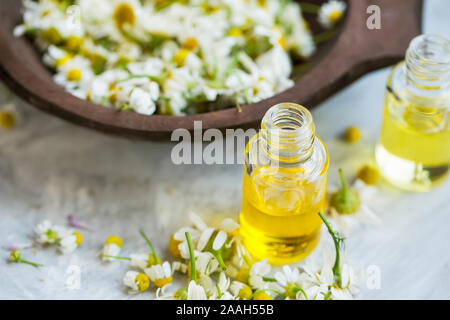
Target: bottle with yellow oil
x,y
284,186
413,152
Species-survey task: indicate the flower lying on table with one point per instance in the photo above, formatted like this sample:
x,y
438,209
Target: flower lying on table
x,y
66,239
218,267
348,205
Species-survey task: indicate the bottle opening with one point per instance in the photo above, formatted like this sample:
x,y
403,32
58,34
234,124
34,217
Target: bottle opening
x,y
428,62
288,132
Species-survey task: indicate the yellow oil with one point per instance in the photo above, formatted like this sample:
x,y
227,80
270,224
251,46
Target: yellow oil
x,y
414,148
279,219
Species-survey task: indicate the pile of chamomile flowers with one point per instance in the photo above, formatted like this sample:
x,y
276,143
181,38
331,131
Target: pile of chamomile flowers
x,y
216,266
173,57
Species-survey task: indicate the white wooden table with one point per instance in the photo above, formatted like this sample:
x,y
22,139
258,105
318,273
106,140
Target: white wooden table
x,y
50,168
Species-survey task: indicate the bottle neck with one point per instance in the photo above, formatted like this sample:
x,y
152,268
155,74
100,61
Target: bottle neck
x,y
288,133
427,63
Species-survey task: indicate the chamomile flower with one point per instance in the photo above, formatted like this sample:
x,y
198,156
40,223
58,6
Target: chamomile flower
x,y
289,280
220,291
257,273
160,274
137,282
349,206
113,245
240,290
143,260
46,233
70,242
331,13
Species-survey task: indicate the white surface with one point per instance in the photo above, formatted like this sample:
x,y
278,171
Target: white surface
x,y
50,168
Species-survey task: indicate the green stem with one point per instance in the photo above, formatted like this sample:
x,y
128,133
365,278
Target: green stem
x,y
344,183
155,256
336,240
191,254
29,262
267,279
309,7
304,293
116,257
218,255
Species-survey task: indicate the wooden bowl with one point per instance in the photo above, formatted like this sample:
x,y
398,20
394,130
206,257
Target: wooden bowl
x,y
354,51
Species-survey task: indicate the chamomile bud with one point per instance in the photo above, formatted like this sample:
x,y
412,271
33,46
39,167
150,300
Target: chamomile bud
x,y
137,282
16,256
352,134
113,245
345,200
10,117
368,174
7,119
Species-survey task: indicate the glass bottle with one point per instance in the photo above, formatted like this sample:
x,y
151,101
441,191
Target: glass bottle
x,y
413,151
284,186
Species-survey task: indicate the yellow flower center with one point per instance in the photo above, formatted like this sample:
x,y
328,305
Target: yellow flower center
x,y
262,296
74,43
262,3
152,261
115,240
62,61
282,42
369,174
235,32
173,247
74,75
162,282
335,16
79,237
245,292
191,43
52,35
180,57
7,120
352,134
124,14
208,8
142,281
242,275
